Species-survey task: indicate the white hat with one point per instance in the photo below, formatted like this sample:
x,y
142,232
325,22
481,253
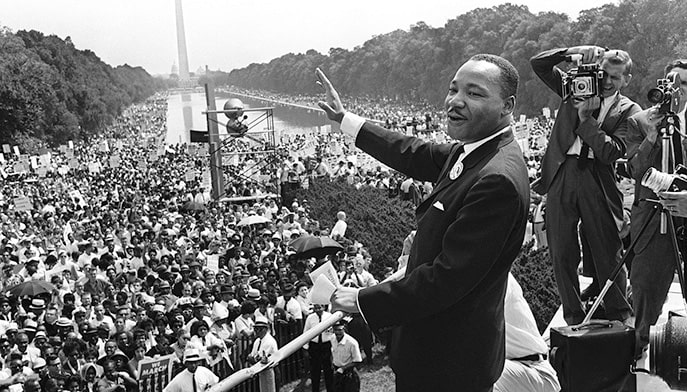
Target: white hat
x,y
192,355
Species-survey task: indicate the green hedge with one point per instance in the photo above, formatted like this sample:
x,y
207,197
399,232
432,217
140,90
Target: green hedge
x,y
381,224
374,220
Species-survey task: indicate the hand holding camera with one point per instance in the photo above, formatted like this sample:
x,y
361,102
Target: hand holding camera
x,y
590,53
585,79
585,107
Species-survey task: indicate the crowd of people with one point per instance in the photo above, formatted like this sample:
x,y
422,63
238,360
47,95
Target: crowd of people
x,y
145,264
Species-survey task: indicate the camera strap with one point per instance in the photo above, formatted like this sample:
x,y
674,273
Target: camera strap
x,y
677,148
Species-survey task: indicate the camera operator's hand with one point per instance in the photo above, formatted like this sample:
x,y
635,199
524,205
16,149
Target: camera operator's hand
x,y
333,106
586,107
590,53
649,119
675,202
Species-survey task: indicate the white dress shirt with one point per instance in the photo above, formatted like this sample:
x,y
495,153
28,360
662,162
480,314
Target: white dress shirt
x,y
183,382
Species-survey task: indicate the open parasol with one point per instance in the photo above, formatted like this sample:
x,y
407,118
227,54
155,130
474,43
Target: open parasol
x,y
31,288
252,220
312,246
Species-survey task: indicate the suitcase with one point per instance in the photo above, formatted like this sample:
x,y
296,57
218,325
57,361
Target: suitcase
x,y
594,358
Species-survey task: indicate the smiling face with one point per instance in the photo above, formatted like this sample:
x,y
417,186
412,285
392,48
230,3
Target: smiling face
x,y
474,105
615,78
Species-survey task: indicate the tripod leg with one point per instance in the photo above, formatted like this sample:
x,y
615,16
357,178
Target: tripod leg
x,y
629,254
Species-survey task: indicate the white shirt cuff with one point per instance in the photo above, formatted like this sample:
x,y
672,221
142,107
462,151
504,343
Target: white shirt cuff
x,y
357,302
351,124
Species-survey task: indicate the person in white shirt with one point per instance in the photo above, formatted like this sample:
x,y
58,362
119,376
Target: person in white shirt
x,y
526,368
194,378
264,346
289,304
320,350
340,226
345,356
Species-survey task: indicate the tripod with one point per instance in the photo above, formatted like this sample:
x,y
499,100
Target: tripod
x,y
667,226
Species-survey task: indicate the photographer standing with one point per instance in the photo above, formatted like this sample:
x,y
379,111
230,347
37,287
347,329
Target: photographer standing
x,y
654,263
579,176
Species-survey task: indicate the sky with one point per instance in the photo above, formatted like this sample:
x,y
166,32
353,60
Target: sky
x,y
224,34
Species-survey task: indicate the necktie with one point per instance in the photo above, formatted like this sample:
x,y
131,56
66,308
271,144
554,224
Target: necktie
x,y
193,381
584,151
319,338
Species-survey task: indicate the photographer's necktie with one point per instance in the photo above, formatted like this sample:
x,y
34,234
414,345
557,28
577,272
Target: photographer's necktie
x,y
584,151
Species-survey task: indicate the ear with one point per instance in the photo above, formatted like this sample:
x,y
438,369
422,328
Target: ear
x,y
628,77
508,106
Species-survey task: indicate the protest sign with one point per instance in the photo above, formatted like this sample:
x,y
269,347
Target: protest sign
x,y
6,148
23,203
16,151
155,374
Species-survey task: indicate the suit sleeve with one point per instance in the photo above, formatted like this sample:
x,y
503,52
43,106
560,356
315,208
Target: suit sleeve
x,y
544,66
492,211
641,153
409,155
608,147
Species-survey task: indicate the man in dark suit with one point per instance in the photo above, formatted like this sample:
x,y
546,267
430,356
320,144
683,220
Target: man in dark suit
x,y
653,266
579,176
449,307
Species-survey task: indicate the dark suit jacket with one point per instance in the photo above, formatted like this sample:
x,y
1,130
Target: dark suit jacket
x,y
641,155
607,142
449,306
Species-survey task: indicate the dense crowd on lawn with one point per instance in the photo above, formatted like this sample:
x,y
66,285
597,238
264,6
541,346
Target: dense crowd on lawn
x,y
144,263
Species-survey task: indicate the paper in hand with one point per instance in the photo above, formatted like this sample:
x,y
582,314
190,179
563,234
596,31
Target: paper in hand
x,y
322,291
325,282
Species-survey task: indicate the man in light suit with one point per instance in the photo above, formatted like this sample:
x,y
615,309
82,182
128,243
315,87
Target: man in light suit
x,y
578,174
448,309
653,266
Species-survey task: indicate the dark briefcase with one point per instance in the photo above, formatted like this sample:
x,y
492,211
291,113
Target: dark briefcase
x,y
594,358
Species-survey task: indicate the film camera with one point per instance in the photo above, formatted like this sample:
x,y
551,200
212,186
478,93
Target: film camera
x,y
659,181
666,94
582,81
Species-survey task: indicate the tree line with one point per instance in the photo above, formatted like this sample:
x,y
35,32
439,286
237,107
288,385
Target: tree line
x,y
51,92
418,64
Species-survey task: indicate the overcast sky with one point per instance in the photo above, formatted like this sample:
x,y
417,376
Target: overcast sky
x,y
227,34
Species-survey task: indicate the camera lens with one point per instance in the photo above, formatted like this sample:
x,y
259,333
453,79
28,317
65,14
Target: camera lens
x,y
655,95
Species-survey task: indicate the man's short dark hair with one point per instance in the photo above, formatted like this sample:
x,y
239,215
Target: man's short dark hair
x,y
679,63
619,57
509,75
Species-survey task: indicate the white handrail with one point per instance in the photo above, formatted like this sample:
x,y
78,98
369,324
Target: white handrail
x,y
281,354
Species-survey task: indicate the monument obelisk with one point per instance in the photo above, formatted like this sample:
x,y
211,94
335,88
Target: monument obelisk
x,y
184,76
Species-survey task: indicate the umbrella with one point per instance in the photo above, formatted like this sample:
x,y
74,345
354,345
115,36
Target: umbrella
x,y
31,288
252,220
317,247
193,206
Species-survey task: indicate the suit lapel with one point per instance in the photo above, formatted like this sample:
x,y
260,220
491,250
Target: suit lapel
x,y
472,159
612,116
